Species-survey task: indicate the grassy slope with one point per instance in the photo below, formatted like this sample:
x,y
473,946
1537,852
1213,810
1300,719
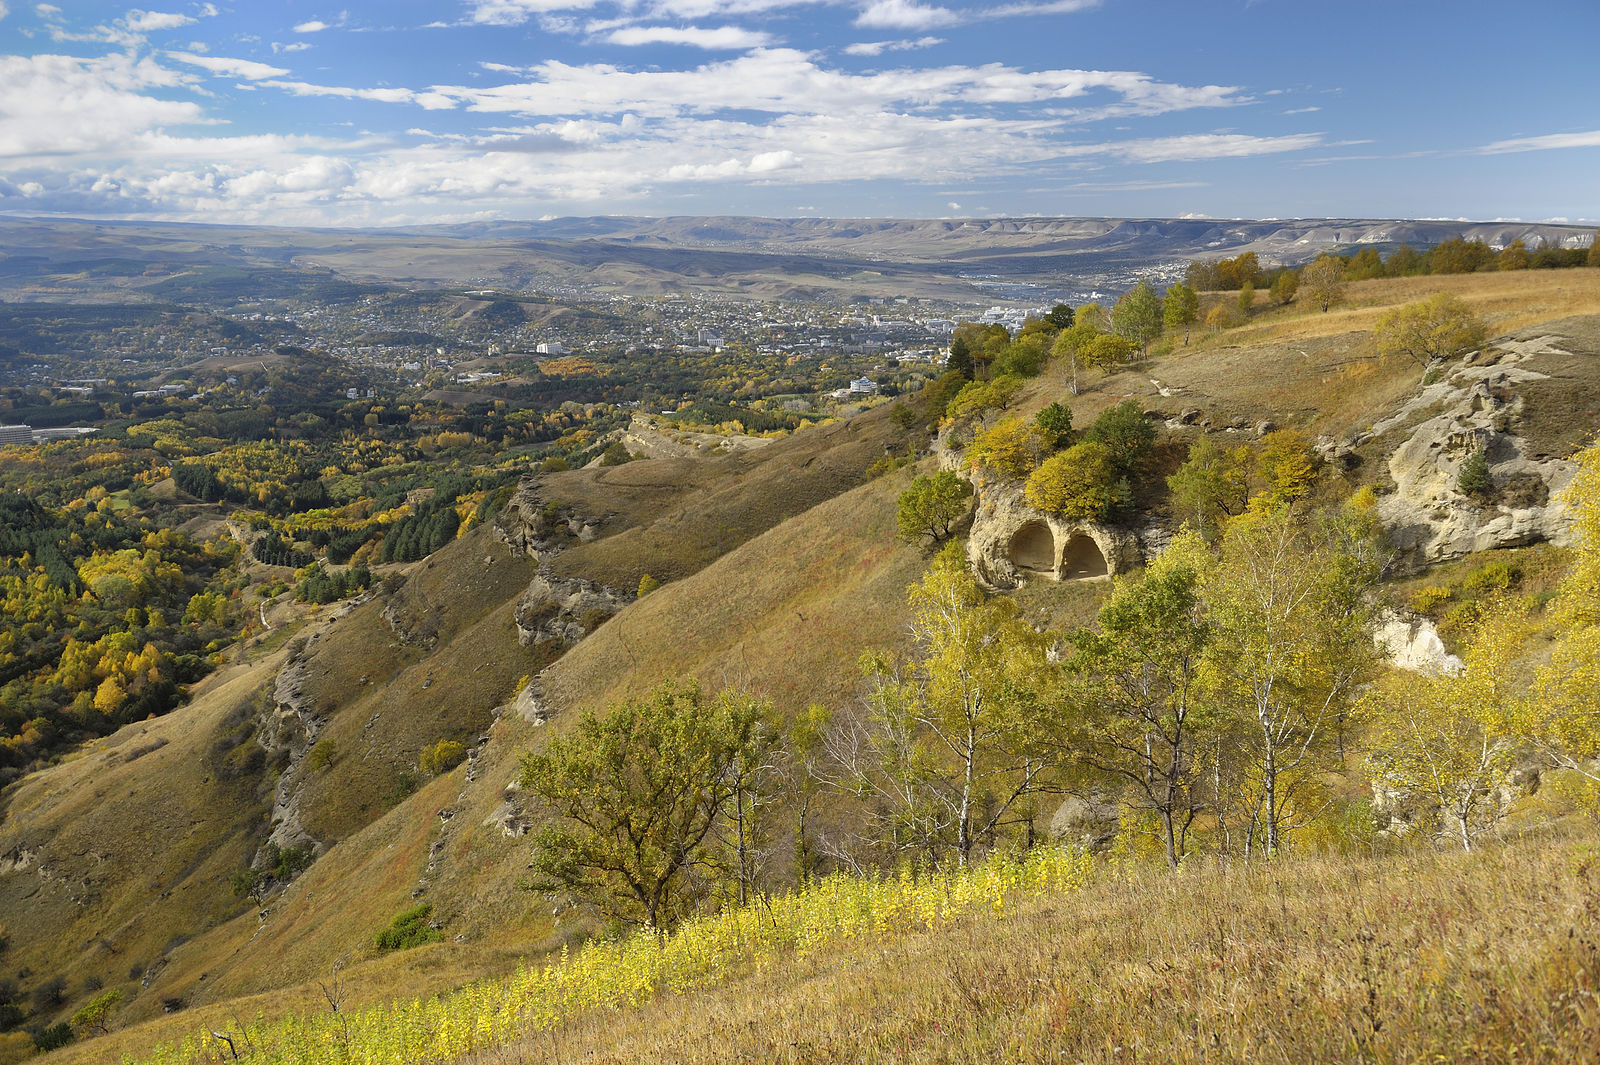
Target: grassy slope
x,y
1407,958
786,613
386,694
128,848
677,515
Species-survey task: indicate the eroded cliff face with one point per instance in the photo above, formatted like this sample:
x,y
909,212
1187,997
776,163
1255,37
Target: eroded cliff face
x,y
559,609
564,609
534,527
289,724
1012,541
1474,406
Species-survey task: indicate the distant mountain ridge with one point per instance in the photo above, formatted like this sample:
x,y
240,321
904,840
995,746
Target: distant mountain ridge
x,y
761,258
1293,239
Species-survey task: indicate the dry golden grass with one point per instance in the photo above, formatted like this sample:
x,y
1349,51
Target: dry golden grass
x,y
1299,367
787,614
672,517
1431,957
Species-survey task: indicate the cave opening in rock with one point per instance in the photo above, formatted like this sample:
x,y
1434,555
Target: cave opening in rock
x,y
1033,548
1082,558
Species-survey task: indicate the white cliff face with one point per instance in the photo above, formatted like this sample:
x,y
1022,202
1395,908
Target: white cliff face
x,y
1428,518
1414,644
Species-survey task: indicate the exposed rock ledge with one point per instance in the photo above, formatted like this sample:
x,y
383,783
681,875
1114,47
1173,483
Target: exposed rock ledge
x,y
1413,643
563,609
1428,518
1011,541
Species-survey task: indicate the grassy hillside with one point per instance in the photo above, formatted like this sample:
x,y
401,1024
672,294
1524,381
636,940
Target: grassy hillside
x,y
1403,958
780,567
671,517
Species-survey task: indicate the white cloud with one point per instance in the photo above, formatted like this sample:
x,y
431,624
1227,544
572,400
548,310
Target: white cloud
x,y
230,68
1050,7
1549,141
46,10
785,81
297,46
906,15
1196,146
1302,110
431,101
515,12
56,104
4,10
719,38
768,162
874,48
314,26
137,21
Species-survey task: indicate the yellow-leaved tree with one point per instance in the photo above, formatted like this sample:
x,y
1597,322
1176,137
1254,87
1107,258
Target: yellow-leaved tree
x,y
1565,721
1454,738
1290,646
951,747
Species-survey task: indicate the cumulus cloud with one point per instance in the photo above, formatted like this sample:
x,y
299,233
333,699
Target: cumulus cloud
x,y
56,104
573,136
4,10
314,26
137,21
905,15
725,38
230,68
1548,142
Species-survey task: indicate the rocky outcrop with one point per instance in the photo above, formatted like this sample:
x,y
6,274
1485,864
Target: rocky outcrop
x,y
1089,821
1475,407
1012,541
537,528
290,725
563,609
528,705
1413,643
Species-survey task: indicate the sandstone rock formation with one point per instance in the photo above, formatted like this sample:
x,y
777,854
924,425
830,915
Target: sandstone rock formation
x,y
1474,407
565,610
1413,643
1011,541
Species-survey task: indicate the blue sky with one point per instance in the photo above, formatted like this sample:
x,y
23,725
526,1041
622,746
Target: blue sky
x,y
312,112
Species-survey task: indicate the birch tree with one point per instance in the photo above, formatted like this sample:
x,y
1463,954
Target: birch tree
x,y
1565,724
951,745
1290,643
1142,717
1454,738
